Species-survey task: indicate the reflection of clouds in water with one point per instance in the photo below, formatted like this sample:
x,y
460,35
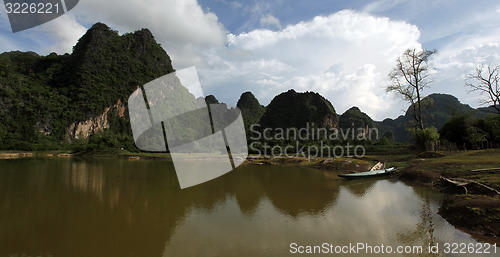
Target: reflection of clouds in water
x,y
381,216
378,214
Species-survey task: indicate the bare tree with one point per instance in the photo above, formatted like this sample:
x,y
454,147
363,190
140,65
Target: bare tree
x,y
410,77
486,81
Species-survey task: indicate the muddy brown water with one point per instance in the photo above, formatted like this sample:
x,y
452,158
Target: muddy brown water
x,y
70,207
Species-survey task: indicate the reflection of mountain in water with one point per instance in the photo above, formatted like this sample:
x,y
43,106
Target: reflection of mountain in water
x,y
298,191
72,201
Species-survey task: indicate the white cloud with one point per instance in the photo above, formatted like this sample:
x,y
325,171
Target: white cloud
x,y
58,35
345,57
64,31
269,21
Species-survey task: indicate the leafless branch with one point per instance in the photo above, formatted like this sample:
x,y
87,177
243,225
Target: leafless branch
x,y
485,80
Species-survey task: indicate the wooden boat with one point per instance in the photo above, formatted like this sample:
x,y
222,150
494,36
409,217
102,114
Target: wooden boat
x,y
377,170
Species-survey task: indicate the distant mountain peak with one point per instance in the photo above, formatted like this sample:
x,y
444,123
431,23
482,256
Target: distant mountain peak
x,y
210,99
248,101
353,109
436,108
355,117
101,38
98,26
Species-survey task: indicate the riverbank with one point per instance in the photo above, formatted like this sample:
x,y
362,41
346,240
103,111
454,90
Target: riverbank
x,y
112,153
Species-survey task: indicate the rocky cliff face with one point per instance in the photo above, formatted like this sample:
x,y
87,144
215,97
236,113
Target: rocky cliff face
x,y
83,129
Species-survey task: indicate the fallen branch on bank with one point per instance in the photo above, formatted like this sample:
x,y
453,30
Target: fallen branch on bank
x,y
460,182
489,169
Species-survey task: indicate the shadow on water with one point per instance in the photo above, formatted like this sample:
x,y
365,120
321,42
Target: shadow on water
x,y
359,187
135,208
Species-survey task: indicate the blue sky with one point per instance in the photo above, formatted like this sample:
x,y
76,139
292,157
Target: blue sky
x,y
341,49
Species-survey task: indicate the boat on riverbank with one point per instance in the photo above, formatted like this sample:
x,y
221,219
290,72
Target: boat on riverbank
x,y
377,170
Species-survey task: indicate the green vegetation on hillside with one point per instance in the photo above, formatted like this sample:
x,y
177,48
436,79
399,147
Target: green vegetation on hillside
x,y
40,96
437,109
355,118
295,110
251,110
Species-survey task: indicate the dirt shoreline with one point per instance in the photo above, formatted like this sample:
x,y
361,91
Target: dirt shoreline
x,y
477,212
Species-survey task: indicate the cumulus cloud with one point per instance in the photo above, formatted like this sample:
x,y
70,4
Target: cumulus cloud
x,y
345,57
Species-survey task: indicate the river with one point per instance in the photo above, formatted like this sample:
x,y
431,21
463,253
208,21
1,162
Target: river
x,y
109,207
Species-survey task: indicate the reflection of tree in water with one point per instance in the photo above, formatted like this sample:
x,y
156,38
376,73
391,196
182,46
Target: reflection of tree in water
x,y
423,234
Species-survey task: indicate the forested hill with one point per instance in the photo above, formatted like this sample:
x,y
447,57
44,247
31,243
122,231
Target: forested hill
x,y
293,109
42,96
437,110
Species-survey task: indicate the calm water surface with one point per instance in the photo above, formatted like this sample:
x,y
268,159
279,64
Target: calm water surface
x,y
135,208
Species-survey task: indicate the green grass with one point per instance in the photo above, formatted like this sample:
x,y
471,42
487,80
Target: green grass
x,y
459,165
